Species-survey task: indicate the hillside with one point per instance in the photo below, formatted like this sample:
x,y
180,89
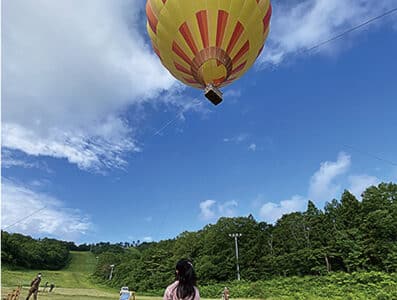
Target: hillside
x,y
72,282
75,275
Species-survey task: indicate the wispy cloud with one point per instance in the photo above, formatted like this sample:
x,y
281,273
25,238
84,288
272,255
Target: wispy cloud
x,y
359,183
10,159
30,212
207,209
299,25
271,211
147,239
211,209
237,139
252,147
325,185
322,187
228,208
70,70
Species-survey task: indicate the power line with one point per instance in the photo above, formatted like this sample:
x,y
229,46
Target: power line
x,y
371,155
171,121
24,218
389,12
320,44
316,46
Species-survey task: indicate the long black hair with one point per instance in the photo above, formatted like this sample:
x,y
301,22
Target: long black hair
x,y
187,279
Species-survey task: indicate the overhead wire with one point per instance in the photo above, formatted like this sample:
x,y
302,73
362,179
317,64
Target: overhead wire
x,y
158,132
24,218
338,36
316,46
177,116
371,155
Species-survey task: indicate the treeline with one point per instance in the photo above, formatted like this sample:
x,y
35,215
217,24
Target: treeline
x,y
346,235
18,250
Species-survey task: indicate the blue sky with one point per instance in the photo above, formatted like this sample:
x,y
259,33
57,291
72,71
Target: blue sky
x,y
96,132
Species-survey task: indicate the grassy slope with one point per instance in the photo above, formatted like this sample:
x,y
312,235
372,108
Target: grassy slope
x,y
75,275
74,279
74,282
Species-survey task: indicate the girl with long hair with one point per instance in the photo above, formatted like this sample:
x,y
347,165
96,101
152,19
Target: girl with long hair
x,y
184,287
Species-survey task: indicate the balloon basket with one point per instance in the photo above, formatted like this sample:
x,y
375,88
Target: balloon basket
x,y
213,94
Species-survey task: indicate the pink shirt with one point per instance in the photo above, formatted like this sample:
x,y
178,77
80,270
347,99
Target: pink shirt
x,y
170,293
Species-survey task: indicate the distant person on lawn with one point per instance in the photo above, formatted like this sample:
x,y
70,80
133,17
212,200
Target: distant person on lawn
x,y
45,286
184,287
225,294
34,287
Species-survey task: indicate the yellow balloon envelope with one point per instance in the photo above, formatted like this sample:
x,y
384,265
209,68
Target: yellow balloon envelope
x,y
207,44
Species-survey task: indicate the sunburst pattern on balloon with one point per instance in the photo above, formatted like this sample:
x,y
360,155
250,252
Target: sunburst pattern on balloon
x,y
205,42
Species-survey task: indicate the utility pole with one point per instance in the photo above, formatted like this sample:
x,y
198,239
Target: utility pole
x,y
111,272
236,236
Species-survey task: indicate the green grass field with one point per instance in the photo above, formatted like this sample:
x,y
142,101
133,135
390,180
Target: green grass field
x,y
75,275
75,282
72,282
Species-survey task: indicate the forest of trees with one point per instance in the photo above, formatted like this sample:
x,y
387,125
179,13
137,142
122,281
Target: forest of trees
x,y
18,250
347,235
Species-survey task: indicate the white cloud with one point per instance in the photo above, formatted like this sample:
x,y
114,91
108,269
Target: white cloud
x,y
237,139
148,239
325,185
299,25
210,209
359,183
322,186
232,95
252,147
70,69
228,208
207,210
10,159
39,214
271,212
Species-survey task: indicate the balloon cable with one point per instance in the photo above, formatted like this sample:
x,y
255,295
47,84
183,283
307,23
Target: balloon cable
x,y
24,218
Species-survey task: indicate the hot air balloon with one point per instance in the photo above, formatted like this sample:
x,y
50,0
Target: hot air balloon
x,y
208,44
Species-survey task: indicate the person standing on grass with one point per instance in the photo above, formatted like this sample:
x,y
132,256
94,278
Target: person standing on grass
x,y
184,287
225,294
34,287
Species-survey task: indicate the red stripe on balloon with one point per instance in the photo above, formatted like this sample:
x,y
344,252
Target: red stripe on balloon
x,y
182,68
221,26
151,17
178,51
238,30
203,26
239,68
190,80
218,81
187,35
266,19
244,49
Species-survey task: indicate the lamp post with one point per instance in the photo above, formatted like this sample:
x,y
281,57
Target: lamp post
x,y
111,272
236,236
